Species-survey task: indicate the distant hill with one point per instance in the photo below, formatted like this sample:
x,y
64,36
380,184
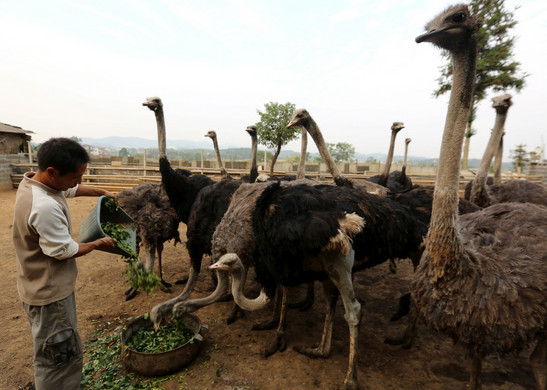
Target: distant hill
x,y
186,149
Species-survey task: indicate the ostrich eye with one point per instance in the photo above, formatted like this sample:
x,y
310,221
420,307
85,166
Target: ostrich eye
x,y
459,17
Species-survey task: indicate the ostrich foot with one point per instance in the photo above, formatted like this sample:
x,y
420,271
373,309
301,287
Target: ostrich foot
x,y
236,313
349,385
166,284
279,343
182,280
403,309
313,351
165,288
407,340
131,293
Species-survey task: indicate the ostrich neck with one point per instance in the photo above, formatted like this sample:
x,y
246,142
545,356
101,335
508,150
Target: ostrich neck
x,y
443,243
479,184
301,172
315,133
217,153
389,158
239,296
406,154
160,122
253,152
498,161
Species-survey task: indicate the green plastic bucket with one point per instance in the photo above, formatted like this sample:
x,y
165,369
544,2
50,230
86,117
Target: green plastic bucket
x,y
91,230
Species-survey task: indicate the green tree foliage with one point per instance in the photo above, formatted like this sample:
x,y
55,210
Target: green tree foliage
x,y
496,68
272,128
123,152
342,151
77,139
519,156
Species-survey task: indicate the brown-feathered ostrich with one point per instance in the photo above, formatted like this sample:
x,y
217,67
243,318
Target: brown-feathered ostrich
x,y
155,220
483,277
311,241
301,117
509,191
395,181
213,135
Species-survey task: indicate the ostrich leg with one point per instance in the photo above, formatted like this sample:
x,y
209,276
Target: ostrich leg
x,y
279,342
340,275
165,286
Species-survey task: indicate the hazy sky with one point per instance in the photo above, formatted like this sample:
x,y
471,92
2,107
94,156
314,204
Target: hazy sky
x,y
83,68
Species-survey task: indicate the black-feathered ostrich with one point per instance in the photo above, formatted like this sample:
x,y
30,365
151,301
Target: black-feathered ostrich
x,y
509,191
205,213
181,189
395,181
155,220
483,277
252,131
398,181
213,135
301,117
311,241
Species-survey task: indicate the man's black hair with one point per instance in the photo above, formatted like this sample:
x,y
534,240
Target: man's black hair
x,y
63,154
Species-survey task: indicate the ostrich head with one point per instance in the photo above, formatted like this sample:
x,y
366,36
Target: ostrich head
x,y
397,126
451,29
153,103
228,262
502,103
299,117
211,134
251,130
407,140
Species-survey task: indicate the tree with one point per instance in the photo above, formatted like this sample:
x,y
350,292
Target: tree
x,y
77,139
123,152
342,151
272,128
518,155
496,69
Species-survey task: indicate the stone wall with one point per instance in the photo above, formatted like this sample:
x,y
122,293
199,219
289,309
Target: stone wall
x,y
6,169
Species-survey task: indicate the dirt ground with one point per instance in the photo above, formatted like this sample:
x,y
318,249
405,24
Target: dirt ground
x,y
235,351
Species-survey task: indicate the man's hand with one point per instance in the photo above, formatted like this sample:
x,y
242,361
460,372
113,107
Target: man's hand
x,y
106,243
110,194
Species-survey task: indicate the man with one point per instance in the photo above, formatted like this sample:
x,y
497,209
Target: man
x,y
46,265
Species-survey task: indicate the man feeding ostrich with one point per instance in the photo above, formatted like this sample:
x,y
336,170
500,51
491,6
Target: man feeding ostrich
x,y
46,264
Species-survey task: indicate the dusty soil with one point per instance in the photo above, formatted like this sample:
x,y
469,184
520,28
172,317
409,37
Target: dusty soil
x,y
235,351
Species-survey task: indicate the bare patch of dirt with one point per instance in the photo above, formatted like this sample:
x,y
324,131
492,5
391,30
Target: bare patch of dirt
x,y
232,354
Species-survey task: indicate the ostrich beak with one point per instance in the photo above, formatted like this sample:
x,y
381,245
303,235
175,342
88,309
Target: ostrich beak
x,y
217,266
292,123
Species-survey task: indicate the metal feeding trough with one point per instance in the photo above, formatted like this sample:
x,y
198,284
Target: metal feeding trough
x,y
91,230
161,363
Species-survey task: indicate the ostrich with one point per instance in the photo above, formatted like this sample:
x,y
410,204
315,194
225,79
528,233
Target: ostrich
x,y
156,222
213,135
395,181
510,191
398,180
498,161
475,190
311,241
301,117
482,277
254,145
